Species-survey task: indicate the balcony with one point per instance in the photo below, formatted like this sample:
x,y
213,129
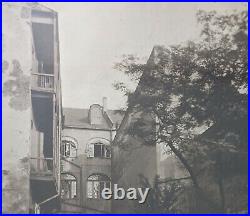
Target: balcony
x,y
42,82
41,168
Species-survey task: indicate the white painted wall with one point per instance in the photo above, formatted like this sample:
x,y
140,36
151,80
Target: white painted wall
x,y
17,64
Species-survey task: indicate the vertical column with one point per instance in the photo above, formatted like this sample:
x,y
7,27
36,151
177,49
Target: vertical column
x,y
57,104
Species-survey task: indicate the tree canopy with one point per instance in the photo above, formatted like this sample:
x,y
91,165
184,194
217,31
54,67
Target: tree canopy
x,y
198,92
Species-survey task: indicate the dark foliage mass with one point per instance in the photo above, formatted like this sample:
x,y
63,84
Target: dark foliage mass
x,y
198,94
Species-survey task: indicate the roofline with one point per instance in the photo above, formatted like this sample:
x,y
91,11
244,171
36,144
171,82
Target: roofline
x,y
154,53
85,128
81,108
40,4
95,104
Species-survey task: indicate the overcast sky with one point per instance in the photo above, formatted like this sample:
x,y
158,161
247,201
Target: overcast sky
x,y
93,36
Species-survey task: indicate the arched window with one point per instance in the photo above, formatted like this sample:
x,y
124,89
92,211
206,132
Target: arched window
x,y
99,148
69,147
68,186
95,184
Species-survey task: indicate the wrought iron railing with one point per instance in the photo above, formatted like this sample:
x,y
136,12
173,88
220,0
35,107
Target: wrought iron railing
x,y
43,81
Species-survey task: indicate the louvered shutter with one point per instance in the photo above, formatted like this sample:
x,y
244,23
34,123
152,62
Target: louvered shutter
x,y
90,150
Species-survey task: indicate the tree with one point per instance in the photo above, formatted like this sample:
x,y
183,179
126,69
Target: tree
x,y
196,87
162,195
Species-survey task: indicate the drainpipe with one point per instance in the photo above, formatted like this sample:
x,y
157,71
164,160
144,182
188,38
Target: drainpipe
x,y
37,206
111,136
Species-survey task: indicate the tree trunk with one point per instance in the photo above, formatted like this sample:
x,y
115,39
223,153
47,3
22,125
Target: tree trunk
x,y
185,163
200,194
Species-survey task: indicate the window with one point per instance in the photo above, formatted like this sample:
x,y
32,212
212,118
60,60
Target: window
x,y
95,184
99,150
68,186
69,147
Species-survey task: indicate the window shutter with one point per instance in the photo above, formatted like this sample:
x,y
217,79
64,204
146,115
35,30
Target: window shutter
x,y
107,151
89,189
96,189
67,149
90,150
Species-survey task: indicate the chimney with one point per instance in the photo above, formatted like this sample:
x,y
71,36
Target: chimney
x,y
104,104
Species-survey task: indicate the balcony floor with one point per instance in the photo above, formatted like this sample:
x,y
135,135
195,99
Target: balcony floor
x,y
42,176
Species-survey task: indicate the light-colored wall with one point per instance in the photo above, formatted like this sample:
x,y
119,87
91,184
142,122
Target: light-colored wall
x,y
88,166
17,65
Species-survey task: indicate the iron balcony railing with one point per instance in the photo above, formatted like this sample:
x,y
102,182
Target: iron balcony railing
x,y
42,82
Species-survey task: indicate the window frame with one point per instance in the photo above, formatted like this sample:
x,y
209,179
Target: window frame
x,y
105,150
70,182
72,147
103,182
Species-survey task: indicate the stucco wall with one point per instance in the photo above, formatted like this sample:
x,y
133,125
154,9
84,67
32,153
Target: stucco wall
x,y
133,161
88,166
17,65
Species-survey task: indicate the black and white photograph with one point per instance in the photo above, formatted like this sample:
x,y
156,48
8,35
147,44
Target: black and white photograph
x,y
125,107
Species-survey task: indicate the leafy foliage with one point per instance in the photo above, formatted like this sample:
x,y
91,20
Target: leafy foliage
x,y
162,196
196,87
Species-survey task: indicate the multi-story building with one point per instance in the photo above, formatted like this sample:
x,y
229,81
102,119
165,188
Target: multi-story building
x,y
31,108
86,157
44,168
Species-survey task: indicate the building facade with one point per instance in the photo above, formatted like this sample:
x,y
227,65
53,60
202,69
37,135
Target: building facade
x,y
86,157
31,108
58,159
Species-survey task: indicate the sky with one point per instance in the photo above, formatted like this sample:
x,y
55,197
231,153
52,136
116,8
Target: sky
x,y
94,36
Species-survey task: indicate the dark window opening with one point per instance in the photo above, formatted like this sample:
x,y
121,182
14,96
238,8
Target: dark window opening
x,y
99,150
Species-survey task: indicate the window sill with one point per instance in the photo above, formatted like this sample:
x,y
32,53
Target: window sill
x,y
97,199
70,198
98,157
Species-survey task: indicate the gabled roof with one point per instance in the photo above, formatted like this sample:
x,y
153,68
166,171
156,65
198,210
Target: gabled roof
x,y
79,118
115,116
31,5
40,7
152,60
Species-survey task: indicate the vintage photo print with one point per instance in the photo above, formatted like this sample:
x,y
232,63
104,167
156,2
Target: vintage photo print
x,y
118,107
